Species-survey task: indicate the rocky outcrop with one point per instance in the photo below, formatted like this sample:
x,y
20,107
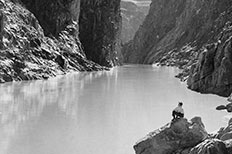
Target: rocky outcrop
x,y
173,137
26,51
227,107
210,146
100,30
212,73
183,137
133,16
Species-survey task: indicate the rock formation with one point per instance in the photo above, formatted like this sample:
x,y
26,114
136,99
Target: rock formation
x,y
132,17
212,73
100,30
173,137
175,32
173,24
210,146
227,107
46,42
183,137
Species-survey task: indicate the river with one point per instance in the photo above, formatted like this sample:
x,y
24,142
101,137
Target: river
x,y
98,112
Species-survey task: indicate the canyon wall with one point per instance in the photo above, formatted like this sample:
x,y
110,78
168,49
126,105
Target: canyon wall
x,y
40,39
133,16
176,32
212,73
173,24
100,29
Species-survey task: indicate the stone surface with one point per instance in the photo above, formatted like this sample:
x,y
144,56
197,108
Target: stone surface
x,y
100,30
225,132
27,53
210,146
227,107
173,24
212,73
54,15
228,144
173,137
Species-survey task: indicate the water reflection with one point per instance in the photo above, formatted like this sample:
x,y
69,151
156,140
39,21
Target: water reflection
x,y
99,112
22,101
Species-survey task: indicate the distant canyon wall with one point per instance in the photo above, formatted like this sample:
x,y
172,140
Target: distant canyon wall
x,y
133,16
173,27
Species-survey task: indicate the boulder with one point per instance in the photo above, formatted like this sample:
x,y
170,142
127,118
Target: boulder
x,y
221,107
210,146
225,133
228,144
173,137
227,107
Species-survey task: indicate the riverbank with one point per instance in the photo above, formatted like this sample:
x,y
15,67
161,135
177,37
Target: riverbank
x,y
186,137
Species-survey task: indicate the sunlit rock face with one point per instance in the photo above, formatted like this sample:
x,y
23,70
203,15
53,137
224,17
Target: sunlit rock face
x,y
100,29
132,17
26,51
173,24
187,27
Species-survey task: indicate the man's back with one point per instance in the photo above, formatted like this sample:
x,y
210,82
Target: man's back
x,y
179,109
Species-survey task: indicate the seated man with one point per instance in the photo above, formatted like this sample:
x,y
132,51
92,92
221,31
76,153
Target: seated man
x,y
178,112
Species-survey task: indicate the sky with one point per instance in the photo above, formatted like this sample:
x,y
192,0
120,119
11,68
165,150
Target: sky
x,y
140,2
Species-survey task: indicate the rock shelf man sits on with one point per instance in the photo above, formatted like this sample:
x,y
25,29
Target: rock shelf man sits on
x,y
178,112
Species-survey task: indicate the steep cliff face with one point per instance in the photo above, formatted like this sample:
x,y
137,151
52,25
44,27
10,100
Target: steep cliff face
x,y
100,29
213,71
175,32
133,16
54,15
173,24
40,38
26,53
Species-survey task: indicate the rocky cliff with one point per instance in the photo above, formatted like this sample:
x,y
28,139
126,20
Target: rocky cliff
x,y
100,29
175,32
133,16
212,73
184,137
40,39
174,24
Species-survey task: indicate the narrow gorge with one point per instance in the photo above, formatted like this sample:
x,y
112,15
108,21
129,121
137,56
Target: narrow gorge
x,y
193,35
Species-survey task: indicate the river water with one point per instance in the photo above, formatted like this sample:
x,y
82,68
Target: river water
x,y
98,112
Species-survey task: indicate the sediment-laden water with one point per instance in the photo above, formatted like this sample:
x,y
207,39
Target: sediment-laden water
x,y
98,112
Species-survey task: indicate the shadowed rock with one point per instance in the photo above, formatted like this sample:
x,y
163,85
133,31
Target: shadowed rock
x,y
173,137
228,107
225,132
228,144
100,30
210,146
